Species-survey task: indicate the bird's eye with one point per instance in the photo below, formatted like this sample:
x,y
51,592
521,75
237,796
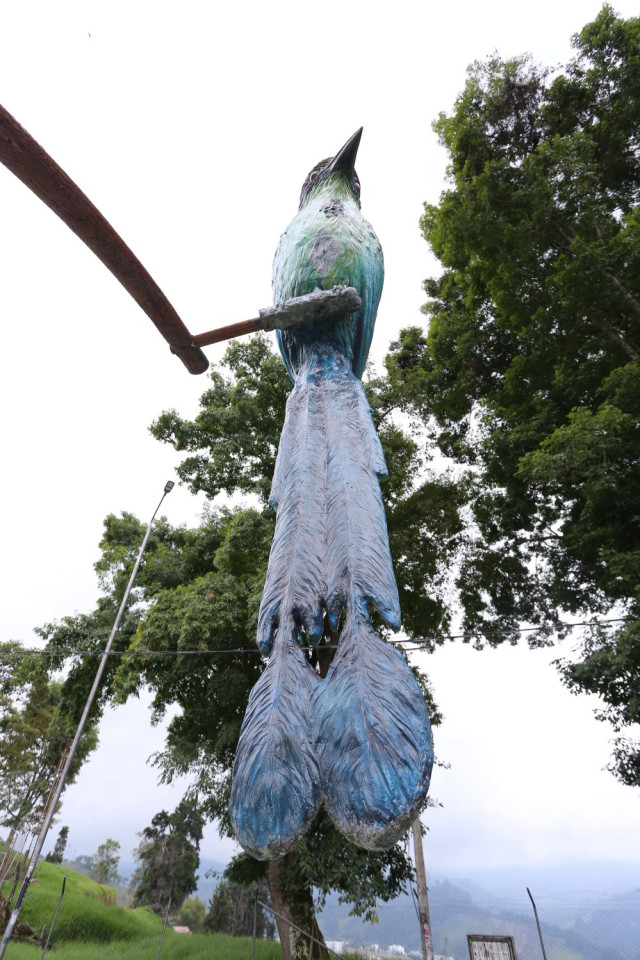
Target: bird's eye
x,y
313,176
356,188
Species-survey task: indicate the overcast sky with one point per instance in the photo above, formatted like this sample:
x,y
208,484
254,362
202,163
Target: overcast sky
x,y
191,126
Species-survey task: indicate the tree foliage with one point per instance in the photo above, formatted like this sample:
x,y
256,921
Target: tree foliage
x,y
105,861
193,914
530,372
233,907
34,730
168,857
57,854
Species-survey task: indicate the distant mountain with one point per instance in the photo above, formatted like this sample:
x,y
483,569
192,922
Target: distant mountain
x,y
614,924
588,912
479,894
606,929
563,879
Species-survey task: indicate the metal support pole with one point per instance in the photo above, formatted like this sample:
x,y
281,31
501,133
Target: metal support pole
x,y
535,913
18,874
7,854
295,926
53,802
55,917
11,856
164,926
255,923
423,891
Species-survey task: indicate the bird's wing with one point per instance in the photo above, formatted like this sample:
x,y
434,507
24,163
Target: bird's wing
x,y
370,290
359,264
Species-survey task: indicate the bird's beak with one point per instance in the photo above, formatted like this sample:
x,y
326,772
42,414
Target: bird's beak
x,y
345,159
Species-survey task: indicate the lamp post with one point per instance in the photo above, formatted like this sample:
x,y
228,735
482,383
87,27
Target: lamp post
x,y
46,821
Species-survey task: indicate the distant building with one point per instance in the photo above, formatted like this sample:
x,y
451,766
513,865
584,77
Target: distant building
x,y
338,946
397,950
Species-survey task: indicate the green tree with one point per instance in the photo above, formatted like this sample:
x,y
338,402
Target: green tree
x,y
220,915
34,730
168,857
232,908
193,914
529,376
105,861
57,854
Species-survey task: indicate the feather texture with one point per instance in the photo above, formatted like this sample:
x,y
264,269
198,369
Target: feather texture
x,y
358,556
275,793
330,544
374,739
360,740
297,562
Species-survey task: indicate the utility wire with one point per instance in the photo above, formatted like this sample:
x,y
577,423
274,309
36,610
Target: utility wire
x,y
418,643
422,643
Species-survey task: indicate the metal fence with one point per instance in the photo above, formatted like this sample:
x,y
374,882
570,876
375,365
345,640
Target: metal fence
x,y
574,926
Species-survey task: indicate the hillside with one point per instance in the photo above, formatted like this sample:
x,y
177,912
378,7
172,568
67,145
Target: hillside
x,y
584,929
92,926
89,910
576,926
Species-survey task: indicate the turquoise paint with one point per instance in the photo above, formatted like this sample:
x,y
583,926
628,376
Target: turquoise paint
x,y
320,250
358,741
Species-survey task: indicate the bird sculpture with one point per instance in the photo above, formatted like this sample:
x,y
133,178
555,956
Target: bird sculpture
x,y
357,740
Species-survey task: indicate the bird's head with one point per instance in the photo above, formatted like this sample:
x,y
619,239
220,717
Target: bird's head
x,y
340,169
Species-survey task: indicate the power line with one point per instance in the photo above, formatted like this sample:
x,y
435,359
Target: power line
x,y
419,643
423,642
131,653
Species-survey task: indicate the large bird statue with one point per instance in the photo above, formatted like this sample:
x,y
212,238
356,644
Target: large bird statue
x,y
359,739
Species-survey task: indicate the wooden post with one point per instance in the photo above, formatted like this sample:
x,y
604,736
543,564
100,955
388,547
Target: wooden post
x,y
423,891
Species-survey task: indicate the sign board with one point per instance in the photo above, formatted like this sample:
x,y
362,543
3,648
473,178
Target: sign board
x,y
490,947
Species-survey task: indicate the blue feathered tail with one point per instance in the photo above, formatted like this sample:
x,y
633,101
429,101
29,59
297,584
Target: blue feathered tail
x,y
275,793
374,739
363,734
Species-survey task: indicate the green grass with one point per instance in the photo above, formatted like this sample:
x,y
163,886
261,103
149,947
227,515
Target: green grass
x,y
199,946
88,910
90,926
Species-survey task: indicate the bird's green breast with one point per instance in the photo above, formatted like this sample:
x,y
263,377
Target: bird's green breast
x,y
322,247
329,243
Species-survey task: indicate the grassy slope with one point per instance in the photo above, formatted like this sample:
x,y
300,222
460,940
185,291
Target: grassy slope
x,y
91,926
176,947
88,910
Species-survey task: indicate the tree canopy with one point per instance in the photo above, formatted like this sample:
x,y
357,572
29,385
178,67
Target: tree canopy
x,y
168,857
233,909
529,375
34,729
57,854
105,862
